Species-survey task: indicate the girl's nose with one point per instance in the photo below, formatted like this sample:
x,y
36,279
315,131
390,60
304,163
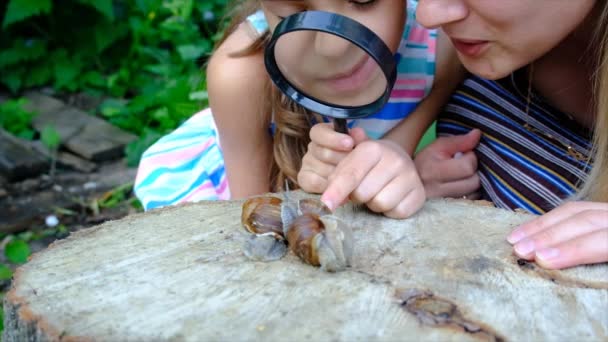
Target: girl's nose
x,y
435,13
331,46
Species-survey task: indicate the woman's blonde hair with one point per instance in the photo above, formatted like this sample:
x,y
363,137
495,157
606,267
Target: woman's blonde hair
x,y
292,122
595,187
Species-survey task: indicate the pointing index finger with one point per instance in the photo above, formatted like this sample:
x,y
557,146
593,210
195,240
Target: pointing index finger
x,y
346,178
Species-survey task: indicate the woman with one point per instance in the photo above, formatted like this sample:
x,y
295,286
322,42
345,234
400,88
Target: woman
x,y
528,128
553,79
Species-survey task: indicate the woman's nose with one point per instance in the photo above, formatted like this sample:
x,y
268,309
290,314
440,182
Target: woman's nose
x,y
331,46
435,13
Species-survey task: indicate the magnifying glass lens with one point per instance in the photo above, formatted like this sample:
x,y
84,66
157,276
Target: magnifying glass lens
x,y
329,68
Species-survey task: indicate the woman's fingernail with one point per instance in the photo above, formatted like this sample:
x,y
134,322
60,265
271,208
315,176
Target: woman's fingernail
x,y
328,203
524,247
458,155
515,236
547,254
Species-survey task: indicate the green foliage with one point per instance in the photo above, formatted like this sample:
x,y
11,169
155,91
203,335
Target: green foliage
x,y
14,118
17,251
19,10
115,196
5,272
146,53
50,137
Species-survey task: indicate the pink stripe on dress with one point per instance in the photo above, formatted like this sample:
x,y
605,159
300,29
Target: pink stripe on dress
x,y
414,94
171,158
411,81
207,190
431,47
418,35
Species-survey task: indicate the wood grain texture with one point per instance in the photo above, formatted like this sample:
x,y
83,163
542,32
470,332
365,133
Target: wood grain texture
x,y
179,273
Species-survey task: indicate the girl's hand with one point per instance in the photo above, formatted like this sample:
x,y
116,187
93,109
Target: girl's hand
x,y
448,166
574,233
325,150
380,174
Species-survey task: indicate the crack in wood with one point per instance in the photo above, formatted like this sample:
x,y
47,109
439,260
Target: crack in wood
x,y
435,311
557,277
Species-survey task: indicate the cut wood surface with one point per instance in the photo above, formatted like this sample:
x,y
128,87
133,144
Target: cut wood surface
x,y
446,274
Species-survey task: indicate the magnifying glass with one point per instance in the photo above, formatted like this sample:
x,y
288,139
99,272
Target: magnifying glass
x,y
331,65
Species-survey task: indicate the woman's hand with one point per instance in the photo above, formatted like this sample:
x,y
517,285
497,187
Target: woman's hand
x,y
574,233
380,174
448,166
325,150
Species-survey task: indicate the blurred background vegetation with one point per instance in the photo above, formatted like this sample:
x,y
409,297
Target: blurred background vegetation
x,y
144,58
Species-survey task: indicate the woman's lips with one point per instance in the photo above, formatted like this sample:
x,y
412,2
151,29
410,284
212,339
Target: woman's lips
x,y
355,79
470,47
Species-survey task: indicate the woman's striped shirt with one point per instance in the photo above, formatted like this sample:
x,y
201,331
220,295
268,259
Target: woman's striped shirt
x,y
519,167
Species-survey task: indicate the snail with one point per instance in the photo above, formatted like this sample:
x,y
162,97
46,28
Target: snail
x,y
306,226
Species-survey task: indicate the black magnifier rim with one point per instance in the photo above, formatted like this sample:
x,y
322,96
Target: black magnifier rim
x,y
348,29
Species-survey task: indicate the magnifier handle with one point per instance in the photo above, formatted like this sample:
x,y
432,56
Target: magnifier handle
x,y
340,126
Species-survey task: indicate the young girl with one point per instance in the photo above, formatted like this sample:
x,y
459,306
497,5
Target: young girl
x,y
529,128
264,135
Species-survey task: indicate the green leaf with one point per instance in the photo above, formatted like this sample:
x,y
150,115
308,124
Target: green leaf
x,y
104,7
147,6
15,119
27,134
107,33
5,272
94,78
191,52
22,50
67,69
202,95
40,74
12,80
50,137
135,149
19,10
113,107
17,251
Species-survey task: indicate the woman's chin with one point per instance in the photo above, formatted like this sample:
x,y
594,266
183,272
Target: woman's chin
x,y
488,69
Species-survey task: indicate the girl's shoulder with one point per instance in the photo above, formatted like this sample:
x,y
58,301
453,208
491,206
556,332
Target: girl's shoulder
x,y
229,73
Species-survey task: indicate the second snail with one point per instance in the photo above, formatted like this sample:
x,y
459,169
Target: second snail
x,y
305,226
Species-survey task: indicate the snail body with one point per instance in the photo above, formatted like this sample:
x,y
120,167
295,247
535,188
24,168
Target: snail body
x,y
312,233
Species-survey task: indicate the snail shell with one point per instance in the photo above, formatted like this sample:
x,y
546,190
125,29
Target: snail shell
x,y
313,234
324,241
262,215
301,236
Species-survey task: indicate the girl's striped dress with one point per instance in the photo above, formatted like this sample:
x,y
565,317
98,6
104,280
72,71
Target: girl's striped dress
x,y
524,160
187,164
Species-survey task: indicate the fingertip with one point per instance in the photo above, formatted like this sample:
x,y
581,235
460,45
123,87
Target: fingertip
x,y
515,236
548,258
358,134
328,203
347,143
476,133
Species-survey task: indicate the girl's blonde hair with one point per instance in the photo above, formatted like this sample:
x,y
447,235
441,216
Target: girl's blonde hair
x,y
595,187
292,122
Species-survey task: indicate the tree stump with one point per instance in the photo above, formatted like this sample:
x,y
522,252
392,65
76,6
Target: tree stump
x,y
445,274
